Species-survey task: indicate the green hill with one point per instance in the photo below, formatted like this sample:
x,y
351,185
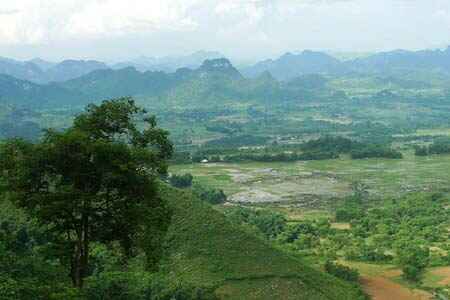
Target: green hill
x,y
204,249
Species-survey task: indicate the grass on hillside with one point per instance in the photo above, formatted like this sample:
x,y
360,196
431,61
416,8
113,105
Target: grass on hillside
x,y
204,249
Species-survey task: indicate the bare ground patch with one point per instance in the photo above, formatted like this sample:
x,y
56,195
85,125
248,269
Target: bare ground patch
x,y
381,288
254,196
445,273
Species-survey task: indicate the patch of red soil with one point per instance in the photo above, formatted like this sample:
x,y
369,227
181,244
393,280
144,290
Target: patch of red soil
x,y
381,288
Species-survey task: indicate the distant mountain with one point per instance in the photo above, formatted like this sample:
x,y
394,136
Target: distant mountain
x,y
42,64
108,83
169,63
215,82
70,69
28,94
284,68
291,65
21,70
41,71
402,60
219,67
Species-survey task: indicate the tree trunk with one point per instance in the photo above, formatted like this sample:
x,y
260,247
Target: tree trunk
x,y
80,257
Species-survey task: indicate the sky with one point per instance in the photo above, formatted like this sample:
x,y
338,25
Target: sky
x,y
113,30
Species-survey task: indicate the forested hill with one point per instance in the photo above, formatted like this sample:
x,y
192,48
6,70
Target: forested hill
x,y
215,82
285,67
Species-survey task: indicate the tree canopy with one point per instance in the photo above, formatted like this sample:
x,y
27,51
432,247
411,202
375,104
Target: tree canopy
x,y
95,181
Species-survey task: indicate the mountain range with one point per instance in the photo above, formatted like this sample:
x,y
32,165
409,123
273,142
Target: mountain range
x,y
286,67
168,63
108,83
41,71
290,65
292,76
397,62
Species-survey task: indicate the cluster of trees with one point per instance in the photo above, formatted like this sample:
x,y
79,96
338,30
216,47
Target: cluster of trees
x,y
327,147
269,223
357,150
277,157
394,231
210,195
81,215
406,228
375,151
181,181
329,143
341,271
439,146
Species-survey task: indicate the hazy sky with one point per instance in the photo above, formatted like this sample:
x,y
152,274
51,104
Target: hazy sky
x,y
247,29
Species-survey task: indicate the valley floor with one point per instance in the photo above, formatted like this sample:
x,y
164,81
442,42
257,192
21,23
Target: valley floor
x,y
307,183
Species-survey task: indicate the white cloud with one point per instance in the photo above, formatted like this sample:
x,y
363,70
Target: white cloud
x,y
237,27
35,21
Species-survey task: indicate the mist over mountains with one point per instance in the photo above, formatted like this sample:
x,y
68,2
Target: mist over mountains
x,y
41,71
106,83
168,63
38,83
286,67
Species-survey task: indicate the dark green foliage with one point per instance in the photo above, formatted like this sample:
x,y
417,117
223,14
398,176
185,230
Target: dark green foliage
x,y
279,157
181,181
421,151
330,144
440,146
413,259
93,182
137,285
28,269
375,152
304,235
342,272
347,213
212,196
323,148
269,223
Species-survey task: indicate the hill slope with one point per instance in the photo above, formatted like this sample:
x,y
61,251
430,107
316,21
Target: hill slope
x,y
203,248
30,95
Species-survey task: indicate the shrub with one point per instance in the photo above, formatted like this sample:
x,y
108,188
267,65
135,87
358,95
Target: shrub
x,y
342,272
181,181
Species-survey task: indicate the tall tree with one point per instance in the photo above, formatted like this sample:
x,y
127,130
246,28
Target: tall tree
x,y
96,181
